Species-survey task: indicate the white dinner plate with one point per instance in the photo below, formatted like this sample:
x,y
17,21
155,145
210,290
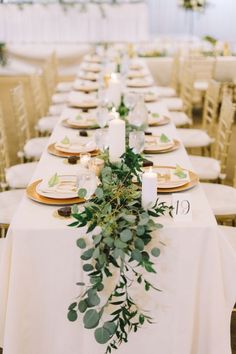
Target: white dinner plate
x,y
65,189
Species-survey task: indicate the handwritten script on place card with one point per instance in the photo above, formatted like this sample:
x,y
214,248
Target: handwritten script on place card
x,y
182,205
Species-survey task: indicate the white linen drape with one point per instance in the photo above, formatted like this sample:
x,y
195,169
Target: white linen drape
x,y
218,19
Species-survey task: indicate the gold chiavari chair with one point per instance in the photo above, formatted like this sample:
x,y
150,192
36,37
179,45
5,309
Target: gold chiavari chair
x,y
9,200
183,115
214,168
204,137
16,176
45,123
29,149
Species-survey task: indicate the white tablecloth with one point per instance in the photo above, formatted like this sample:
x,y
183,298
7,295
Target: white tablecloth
x,y
41,265
53,23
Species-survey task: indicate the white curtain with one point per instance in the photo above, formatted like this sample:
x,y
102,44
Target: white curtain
x,y
218,20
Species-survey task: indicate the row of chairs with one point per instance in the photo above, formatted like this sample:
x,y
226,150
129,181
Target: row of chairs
x,y
15,178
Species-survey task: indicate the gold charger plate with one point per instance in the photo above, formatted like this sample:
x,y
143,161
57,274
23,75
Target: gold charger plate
x,y
83,105
164,150
194,179
66,124
32,194
53,151
85,89
164,121
139,84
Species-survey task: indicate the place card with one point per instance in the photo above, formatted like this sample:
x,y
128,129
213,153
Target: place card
x,y
182,204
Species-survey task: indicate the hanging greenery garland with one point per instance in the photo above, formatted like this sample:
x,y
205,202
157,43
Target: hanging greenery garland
x,y
193,5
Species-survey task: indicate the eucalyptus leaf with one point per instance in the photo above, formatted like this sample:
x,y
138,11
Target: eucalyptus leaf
x,y
125,236
72,315
82,193
102,335
81,243
156,252
110,326
164,138
99,193
136,255
91,319
139,244
87,267
120,244
82,306
87,254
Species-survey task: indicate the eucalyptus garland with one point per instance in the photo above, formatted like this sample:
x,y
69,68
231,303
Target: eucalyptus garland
x,y
121,230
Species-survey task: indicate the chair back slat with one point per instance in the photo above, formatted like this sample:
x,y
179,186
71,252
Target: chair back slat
x,y
211,106
224,132
4,156
21,115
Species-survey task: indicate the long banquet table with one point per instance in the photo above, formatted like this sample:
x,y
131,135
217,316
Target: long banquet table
x,y
41,264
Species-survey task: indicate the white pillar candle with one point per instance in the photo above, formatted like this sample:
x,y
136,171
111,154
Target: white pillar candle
x,y
116,139
114,90
149,189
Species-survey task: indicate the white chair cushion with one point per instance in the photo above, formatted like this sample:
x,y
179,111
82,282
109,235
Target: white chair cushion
x,y
34,147
173,103
222,198
64,86
19,176
230,234
46,124
9,202
58,98
206,168
200,85
194,137
165,91
180,118
56,110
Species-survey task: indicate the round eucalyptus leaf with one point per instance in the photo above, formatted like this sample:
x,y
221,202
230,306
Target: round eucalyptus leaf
x,y
156,252
96,252
82,306
139,244
102,335
126,235
91,319
97,239
81,243
120,244
136,255
72,316
82,192
110,326
108,241
99,193
140,230
87,254
100,286
87,267
93,300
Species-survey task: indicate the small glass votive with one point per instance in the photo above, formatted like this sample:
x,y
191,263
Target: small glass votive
x,y
101,138
85,157
137,141
96,165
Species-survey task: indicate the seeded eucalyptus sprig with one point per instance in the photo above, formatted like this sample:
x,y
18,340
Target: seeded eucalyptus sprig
x,y
122,229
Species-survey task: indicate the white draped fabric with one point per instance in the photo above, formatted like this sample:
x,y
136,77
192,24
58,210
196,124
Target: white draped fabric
x,y
41,265
167,18
52,23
